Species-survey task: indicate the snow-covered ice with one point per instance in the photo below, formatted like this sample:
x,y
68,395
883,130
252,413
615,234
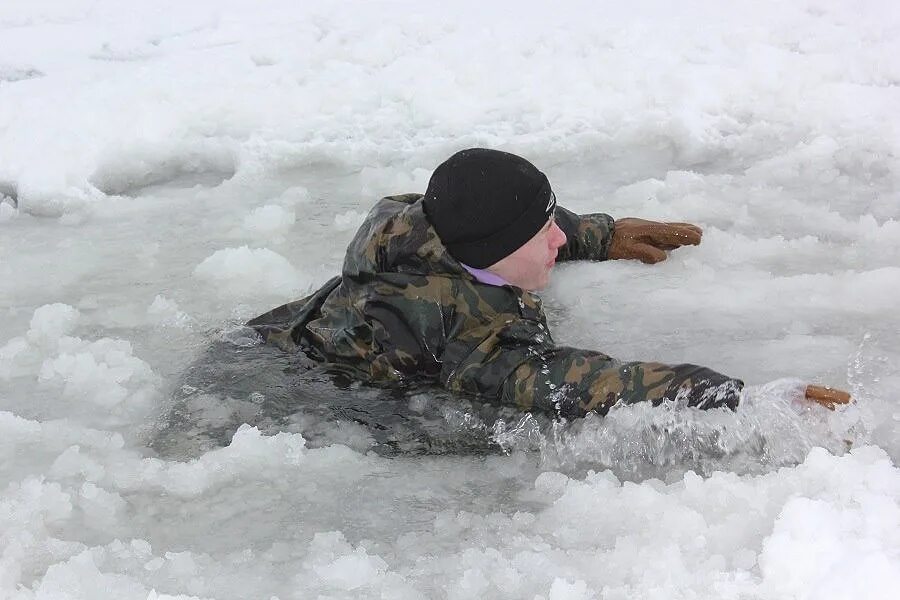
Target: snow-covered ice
x,y
170,169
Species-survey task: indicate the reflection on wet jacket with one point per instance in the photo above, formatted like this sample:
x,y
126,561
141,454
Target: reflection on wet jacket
x,y
404,308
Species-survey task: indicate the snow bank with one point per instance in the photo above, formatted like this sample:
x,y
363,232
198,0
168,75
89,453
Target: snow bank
x,y
322,77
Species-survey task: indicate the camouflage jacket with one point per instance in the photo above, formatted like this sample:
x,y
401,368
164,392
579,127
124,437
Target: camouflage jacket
x,y
404,308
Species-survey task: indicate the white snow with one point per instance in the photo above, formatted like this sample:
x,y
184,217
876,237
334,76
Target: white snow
x,y
169,169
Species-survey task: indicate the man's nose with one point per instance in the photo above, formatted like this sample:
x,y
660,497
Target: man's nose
x,y
559,236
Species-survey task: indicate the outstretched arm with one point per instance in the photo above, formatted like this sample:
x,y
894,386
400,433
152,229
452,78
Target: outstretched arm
x,y
515,362
596,236
571,383
588,237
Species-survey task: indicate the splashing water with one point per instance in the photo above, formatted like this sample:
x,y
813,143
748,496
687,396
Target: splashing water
x,y
773,427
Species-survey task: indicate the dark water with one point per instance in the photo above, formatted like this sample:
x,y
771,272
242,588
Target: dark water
x,y
247,382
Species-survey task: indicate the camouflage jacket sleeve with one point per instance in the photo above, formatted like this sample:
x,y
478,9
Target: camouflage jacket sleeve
x,y
515,361
587,236
571,382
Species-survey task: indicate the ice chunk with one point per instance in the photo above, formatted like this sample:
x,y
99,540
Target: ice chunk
x,y
349,220
248,271
7,211
96,371
155,596
840,543
250,453
270,220
352,571
29,510
51,322
102,509
74,463
79,577
561,589
50,199
294,195
166,313
10,354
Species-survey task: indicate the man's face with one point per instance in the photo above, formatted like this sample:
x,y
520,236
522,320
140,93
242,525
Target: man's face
x,y
529,267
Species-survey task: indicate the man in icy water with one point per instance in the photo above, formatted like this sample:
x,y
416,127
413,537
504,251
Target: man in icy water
x,y
441,288
438,290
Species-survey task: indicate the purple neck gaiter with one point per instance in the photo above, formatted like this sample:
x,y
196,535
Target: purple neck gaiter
x,y
485,276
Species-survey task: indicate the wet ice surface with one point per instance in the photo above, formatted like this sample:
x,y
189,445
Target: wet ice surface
x,y
167,172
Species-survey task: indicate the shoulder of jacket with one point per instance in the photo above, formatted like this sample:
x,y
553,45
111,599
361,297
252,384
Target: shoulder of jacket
x,y
404,198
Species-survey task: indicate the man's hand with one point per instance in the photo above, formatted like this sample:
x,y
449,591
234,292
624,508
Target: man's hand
x,y
826,396
648,241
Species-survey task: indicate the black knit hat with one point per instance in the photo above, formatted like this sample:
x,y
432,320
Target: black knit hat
x,y
485,204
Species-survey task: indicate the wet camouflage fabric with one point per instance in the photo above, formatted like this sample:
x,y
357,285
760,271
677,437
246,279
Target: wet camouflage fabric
x,y
404,308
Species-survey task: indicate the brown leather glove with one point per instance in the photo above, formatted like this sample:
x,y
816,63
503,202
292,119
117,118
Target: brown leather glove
x,y
648,241
826,396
